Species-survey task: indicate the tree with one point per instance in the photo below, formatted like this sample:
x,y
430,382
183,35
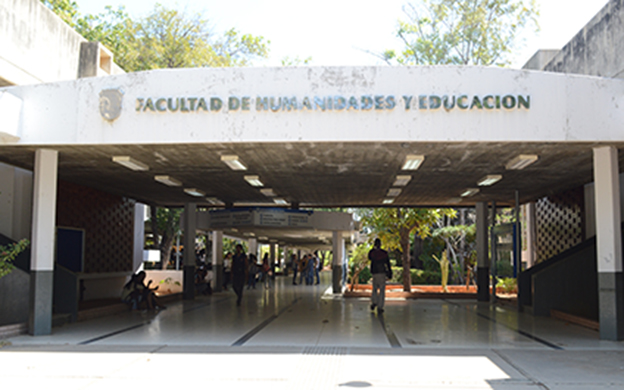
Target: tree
x,y
8,254
166,38
394,226
461,32
165,223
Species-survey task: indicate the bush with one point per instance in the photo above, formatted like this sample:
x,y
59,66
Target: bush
x,y
418,276
504,268
364,276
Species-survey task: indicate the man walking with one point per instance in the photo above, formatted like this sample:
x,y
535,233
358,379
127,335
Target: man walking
x,y
380,268
240,266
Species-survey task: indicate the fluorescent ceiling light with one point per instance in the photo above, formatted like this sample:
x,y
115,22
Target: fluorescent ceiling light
x,y
263,238
394,192
268,192
254,181
234,163
388,201
489,180
280,201
454,200
130,163
522,161
402,180
469,192
412,162
215,201
168,180
194,192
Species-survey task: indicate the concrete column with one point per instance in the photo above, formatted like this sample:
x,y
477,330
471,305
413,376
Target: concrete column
x,y
483,258
286,260
531,232
42,245
253,246
139,236
190,228
273,258
609,243
217,260
337,265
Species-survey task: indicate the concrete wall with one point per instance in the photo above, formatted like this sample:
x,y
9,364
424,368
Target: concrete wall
x,y
14,295
15,202
598,49
36,45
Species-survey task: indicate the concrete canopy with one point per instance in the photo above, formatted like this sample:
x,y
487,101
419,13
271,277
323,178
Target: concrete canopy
x,y
323,137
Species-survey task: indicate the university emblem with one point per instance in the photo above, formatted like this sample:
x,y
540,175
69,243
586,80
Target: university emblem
x,y
110,104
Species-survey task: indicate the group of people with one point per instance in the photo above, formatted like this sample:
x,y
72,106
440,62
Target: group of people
x,y
307,268
255,272
136,293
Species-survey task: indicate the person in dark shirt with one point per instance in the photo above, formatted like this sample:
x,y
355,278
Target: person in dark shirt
x,y
380,268
240,267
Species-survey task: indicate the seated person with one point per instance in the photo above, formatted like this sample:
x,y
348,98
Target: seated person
x,y
137,291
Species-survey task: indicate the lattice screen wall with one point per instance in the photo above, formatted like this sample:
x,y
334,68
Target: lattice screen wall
x,y
559,223
108,221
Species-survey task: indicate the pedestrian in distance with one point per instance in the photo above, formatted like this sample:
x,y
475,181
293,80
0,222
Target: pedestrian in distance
x,y
240,266
380,268
295,266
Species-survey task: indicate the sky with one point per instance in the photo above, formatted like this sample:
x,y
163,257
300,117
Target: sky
x,y
344,32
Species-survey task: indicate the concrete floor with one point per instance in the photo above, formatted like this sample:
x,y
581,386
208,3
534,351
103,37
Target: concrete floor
x,y
302,337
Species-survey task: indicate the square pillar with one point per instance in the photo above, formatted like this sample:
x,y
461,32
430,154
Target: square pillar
x,y
190,228
609,243
42,245
253,247
286,260
483,258
273,258
338,263
139,236
217,260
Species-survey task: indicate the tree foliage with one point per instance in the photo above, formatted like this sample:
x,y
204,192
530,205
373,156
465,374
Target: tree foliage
x,y
8,253
394,226
462,32
165,38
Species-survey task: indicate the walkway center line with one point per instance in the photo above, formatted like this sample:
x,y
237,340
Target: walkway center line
x,y
246,337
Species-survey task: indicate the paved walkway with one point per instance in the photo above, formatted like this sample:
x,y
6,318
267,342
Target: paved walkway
x,y
302,337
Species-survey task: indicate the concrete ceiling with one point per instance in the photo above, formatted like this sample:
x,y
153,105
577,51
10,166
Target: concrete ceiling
x,y
323,174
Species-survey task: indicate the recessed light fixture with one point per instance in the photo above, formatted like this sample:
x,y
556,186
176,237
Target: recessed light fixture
x,y
522,161
388,201
392,192
263,238
412,162
130,163
489,180
454,200
168,180
280,201
254,181
268,192
469,192
215,201
233,162
194,192
402,180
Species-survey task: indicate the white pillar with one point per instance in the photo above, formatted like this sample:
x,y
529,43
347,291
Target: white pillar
x,y
338,261
609,243
190,228
217,260
530,234
286,260
42,245
253,246
483,257
139,236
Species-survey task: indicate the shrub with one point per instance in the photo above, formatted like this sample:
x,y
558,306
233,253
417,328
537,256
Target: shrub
x,y
418,276
364,276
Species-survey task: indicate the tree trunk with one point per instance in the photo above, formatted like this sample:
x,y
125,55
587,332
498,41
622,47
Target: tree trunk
x,y
155,232
407,279
165,250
